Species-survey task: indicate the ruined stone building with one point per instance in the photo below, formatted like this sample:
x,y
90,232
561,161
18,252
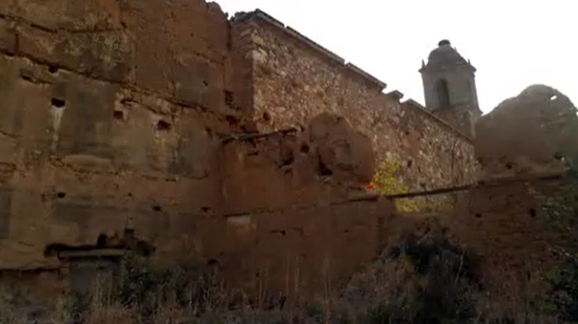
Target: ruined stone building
x,y
166,128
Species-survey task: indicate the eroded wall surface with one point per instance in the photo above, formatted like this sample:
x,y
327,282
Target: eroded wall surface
x,y
115,116
110,119
505,223
296,79
114,124
535,131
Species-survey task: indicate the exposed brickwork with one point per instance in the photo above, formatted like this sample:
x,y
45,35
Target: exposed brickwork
x,y
144,117
111,116
295,80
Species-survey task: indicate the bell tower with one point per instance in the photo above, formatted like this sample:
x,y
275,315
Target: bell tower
x,y
449,84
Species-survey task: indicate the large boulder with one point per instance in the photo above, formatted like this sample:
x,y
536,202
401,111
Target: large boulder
x,y
534,132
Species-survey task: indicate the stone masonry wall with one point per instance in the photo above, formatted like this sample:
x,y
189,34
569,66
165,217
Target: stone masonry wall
x,y
110,114
113,120
295,79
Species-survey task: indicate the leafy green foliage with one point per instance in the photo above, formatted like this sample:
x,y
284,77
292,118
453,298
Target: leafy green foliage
x,y
386,182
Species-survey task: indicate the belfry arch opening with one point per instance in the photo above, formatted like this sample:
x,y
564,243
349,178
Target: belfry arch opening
x,y
443,93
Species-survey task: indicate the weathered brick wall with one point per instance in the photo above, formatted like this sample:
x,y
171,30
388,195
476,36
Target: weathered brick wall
x,y
110,113
295,79
299,249
113,116
503,222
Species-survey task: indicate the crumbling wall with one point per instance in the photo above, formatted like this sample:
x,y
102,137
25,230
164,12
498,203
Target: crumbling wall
x,y
503,220
295,79
110,117
300,249
136,118
329,161
115,128
534,132
504,223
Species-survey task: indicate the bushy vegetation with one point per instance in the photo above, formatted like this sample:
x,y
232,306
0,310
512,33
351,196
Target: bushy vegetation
x,y
423,278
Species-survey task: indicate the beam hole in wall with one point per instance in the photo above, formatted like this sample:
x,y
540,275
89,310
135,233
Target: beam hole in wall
x,y
324,170
282,232
205,83
53,69
266,116
209,131
478,215
229,98
118,114
304,148
532,212
163,126
509,165
61,194
205,209
156,208
409,163
101,240
58,103
26,75
232,121
129,194
212,263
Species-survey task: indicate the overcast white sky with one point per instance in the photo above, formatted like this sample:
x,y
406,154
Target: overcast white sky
x,y
512,43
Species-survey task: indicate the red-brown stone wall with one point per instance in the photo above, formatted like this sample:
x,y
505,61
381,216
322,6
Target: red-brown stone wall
x,y
111,117
114,116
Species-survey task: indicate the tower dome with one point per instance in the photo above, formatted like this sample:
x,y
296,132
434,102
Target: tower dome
x,y
445,55
450,87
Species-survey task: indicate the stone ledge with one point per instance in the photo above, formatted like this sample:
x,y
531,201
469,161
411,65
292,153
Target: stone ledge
x,y
417,106
395,95
314,46
368,77
332,57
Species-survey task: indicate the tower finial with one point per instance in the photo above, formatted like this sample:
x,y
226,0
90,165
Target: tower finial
x,y
444,42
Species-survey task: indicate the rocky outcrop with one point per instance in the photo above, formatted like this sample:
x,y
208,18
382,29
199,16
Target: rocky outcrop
x,y
536,131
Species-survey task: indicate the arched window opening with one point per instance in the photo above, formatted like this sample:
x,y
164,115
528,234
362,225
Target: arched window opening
x,y
443,93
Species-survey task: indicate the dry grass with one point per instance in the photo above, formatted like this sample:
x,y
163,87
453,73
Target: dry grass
x,y
394,289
